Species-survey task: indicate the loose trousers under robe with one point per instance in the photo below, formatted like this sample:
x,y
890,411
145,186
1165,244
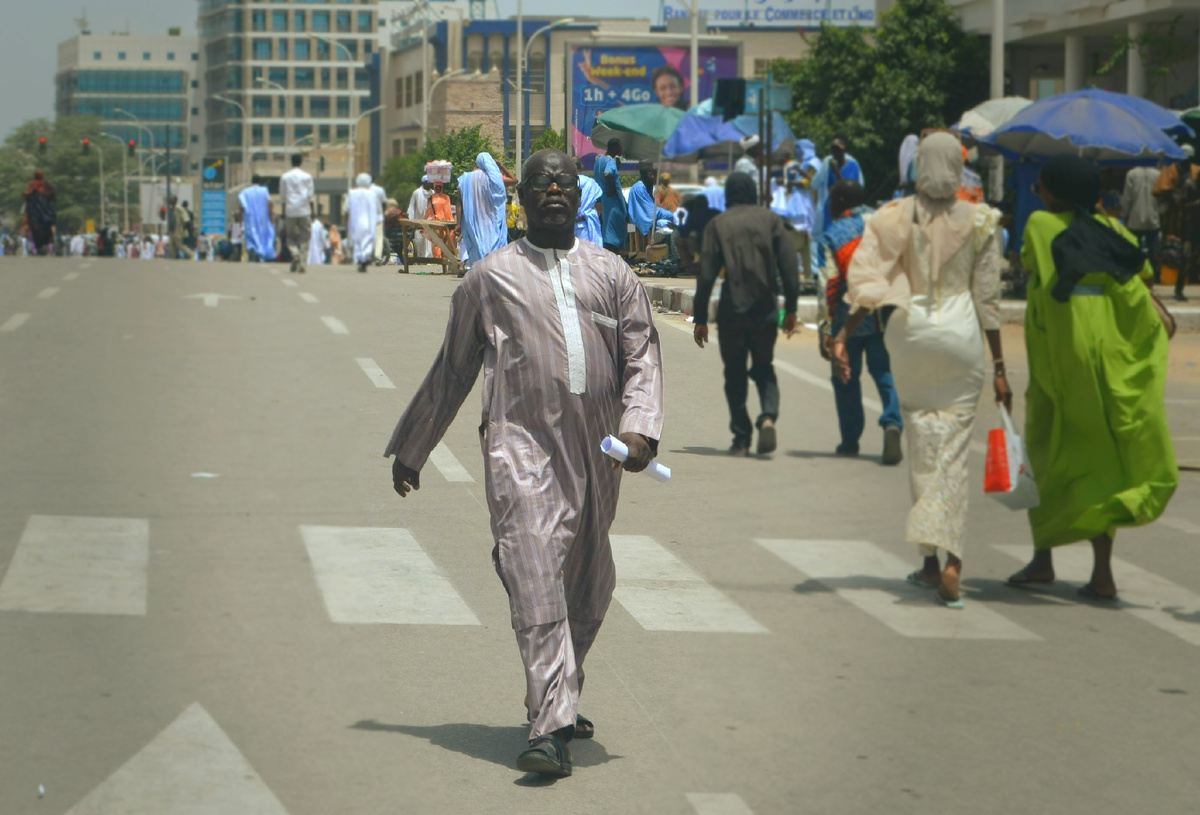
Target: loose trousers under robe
x,y
570,355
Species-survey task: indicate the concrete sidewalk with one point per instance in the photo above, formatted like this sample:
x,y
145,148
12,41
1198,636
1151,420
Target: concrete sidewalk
x,y
679,294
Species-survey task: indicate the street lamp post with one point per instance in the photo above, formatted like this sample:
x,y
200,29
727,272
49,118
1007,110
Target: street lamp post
x,y
125,179
247,161
349,82
141,161
432,88
351,149
262,80
522,60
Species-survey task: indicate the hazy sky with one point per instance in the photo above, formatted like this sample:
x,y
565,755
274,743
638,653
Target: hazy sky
x,y
32,30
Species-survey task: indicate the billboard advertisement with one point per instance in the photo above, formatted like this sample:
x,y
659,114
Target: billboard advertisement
x,y
777,13
605,77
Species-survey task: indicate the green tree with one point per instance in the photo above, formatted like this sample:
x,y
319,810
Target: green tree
x,y
549,139
402,174
75,176
921,71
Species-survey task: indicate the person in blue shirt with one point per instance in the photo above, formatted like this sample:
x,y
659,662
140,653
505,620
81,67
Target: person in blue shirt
x,y
614,220
643,212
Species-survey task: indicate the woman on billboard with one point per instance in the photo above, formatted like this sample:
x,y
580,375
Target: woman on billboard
x,y
668,84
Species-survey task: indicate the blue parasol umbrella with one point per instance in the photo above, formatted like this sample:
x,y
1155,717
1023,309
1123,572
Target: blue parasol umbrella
x,y
1102,126
697,134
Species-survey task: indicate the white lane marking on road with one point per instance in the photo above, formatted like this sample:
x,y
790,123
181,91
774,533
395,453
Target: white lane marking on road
x,y
85,265
1180,524
190,767
718,803
291,283
47,293
309,298
379,575
69,276
374,373
1147,596
79,566
212,299
873,580
14,322
663,593
448,465
335,325
273,270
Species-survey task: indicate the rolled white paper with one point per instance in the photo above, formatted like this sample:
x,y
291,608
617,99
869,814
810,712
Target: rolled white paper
x,y
616,449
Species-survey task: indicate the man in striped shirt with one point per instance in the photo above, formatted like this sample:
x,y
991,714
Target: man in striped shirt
x,y
565,334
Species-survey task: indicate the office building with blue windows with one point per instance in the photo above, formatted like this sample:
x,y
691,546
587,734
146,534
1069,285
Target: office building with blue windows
x,y
143,87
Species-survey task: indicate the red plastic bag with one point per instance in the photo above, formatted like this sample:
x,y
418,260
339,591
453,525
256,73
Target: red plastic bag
x,y
1008,476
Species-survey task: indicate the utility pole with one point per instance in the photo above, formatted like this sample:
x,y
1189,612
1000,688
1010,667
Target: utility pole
x,y
520,87
694,96
170,209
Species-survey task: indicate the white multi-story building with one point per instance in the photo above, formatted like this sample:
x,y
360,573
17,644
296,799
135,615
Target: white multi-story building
x,y
294,74
142,87
1052,46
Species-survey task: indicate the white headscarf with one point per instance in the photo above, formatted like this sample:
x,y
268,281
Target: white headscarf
x,y
908,153
363,181
939,166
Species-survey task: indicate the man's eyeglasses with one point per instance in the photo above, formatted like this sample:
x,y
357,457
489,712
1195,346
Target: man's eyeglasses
x,y
542,181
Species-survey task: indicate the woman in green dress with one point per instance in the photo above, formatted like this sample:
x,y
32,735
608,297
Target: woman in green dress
x,y
1096,427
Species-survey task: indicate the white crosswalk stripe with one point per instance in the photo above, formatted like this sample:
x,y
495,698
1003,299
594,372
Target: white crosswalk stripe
x,y
335,325
1156,600
374,373
308,297
290,283
873,580
191,768
47,293
663,593
79,566
448,465
381,575
14,322
718,803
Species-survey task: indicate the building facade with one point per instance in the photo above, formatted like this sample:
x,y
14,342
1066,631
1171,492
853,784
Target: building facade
x,y
473,72
291,77
1052,46
143,87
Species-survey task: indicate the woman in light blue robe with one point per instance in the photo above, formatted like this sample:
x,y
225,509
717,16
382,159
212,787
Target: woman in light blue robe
x,y
484,196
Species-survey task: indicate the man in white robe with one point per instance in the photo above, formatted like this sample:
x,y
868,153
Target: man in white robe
x,y
365,211
318,243
565,334
418,207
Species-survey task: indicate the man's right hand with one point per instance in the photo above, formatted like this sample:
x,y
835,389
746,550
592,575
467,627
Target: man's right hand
x,y
700,334
404,478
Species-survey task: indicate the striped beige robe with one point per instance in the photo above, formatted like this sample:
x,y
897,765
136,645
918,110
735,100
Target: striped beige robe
x,y
570,354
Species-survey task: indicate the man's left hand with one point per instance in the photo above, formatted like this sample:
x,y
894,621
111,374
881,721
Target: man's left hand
x,y
789,324
639,453
700,334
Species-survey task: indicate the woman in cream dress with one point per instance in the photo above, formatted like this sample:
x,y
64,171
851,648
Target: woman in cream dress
x,y
935,259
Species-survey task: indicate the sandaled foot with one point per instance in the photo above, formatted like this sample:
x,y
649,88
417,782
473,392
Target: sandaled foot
x,y
584,728
739,450
1104,595
925,580
1028,576
948,593
947,601
547,755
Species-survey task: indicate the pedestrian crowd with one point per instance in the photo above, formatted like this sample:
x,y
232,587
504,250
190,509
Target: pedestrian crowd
x,y
565,336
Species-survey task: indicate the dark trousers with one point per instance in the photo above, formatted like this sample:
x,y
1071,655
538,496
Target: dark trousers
x,y
848,396
753,338
1148,239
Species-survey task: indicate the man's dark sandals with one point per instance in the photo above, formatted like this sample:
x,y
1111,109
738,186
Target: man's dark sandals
x,y
584,729
547,755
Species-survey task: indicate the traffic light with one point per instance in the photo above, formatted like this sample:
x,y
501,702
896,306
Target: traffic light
x,y
132,147
42,145
87,143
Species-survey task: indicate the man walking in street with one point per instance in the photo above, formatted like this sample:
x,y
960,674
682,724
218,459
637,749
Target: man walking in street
x,y
179,226
41,214
418,205
551,493
258,221
1141,211
296,190
753,246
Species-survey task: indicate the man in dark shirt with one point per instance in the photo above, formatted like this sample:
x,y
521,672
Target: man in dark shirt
x,y
751,243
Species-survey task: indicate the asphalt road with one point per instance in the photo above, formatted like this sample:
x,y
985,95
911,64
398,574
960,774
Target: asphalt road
x,y
213,602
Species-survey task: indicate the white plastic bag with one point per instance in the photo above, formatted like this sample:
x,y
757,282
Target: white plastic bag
x,y
1008,476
